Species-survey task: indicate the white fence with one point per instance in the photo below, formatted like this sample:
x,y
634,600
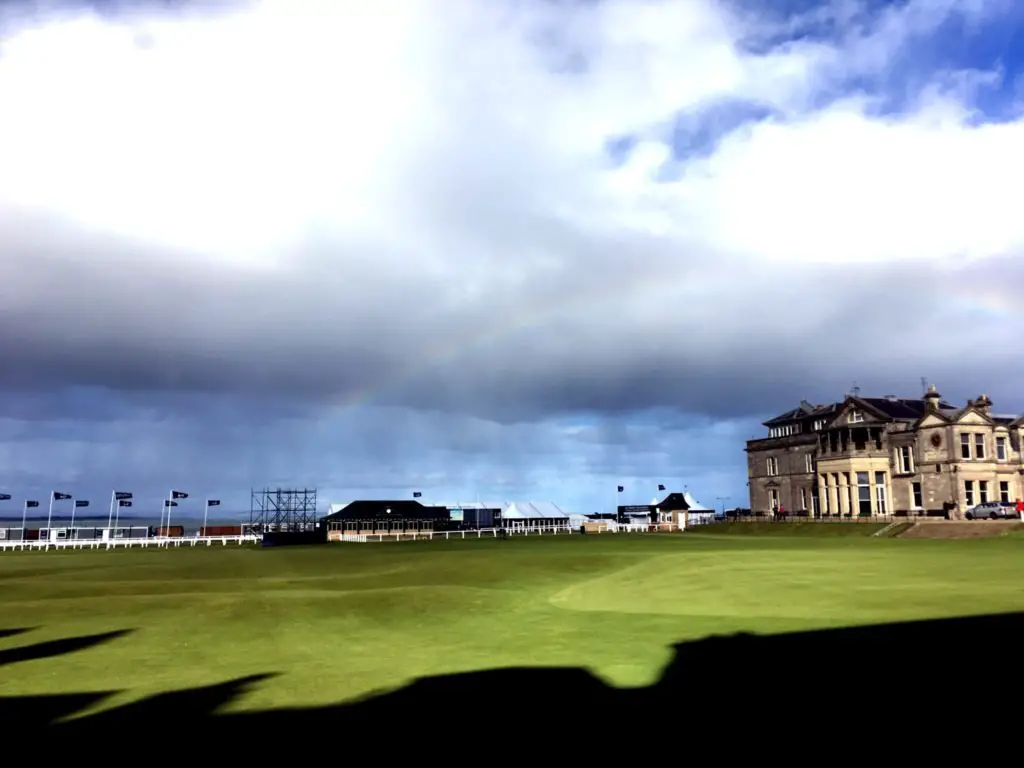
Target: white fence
x,y
610,526
160,542
606,526
479,533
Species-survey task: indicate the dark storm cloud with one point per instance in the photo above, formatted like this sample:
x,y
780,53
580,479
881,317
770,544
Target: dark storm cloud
x,y
834,326
347,453
698,348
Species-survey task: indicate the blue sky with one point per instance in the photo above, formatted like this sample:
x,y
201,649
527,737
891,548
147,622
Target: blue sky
x,y
514,251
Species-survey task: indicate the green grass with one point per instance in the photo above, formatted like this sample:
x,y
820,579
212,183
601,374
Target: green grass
x,y
343,620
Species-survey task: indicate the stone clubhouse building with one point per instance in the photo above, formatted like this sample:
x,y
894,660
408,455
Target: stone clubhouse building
x,y
875,456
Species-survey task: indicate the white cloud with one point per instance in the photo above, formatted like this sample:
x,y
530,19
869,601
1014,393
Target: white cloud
x,y
240,137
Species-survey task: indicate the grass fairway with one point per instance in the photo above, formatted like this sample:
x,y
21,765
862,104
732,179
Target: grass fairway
x,y
343,620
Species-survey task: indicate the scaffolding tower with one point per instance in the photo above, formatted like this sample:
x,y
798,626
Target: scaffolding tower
x,y
283,510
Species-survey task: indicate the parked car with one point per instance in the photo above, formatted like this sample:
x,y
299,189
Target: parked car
x,y
990,510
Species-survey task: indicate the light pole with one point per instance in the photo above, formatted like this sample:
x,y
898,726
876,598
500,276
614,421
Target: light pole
x,y
172,501
79,503
116,499
29,504
206,514
54,496
723,499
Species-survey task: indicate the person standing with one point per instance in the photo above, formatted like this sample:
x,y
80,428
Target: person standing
x,y
1020,509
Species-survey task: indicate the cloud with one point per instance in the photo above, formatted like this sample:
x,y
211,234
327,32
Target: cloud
x,y
500,217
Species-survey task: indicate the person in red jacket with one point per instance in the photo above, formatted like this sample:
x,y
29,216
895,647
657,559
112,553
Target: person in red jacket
x,y
1020,509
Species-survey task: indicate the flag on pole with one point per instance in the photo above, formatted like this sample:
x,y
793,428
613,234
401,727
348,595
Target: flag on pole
x,y
122,495
81,503
213,503
5,497
57,496
169,503
178,495
123,503
31,504
621,489
661,487
416,494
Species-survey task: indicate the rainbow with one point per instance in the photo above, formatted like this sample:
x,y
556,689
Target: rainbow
x,y
536,314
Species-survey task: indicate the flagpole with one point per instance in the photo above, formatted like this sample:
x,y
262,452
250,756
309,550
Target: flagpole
x,y
74,506
24,517
206,512
167,525
49,518
110,517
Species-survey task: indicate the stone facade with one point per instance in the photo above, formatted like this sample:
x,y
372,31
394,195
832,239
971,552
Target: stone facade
x,y
877,456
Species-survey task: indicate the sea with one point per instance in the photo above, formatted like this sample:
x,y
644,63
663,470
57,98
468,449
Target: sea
x,y
191,523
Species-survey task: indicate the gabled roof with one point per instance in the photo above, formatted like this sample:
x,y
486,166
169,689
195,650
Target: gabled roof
x,y
900,409
866,404
891,408
372,508
959,413
940,414
674,502
805,410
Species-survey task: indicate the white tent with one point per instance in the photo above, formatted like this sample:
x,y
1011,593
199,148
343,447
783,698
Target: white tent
x,y
693,504
517,510
471,504
532,510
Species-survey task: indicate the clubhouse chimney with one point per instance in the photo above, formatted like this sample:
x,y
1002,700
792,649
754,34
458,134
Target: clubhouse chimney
x,y
984,404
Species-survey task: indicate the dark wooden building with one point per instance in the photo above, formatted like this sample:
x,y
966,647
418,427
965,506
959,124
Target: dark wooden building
x,y
384,516
669,510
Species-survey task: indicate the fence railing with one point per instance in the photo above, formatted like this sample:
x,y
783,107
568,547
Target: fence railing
x,y
835,519
593,527
478,533
151,541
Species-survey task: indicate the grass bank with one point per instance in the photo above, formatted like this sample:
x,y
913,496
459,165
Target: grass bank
x,y
814,530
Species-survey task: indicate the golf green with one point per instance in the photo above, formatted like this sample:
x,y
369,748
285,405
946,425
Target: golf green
x,y
339,621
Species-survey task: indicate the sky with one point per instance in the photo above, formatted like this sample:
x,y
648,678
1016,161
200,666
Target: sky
x,y
500,249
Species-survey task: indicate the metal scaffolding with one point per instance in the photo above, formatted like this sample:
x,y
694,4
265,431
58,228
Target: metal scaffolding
x,y
283,510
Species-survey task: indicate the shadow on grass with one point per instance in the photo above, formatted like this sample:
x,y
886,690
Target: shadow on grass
x,y
5,633
870,674
53,648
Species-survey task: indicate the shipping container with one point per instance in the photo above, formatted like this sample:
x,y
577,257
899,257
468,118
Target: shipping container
x,y
221,530
175,531
131,532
